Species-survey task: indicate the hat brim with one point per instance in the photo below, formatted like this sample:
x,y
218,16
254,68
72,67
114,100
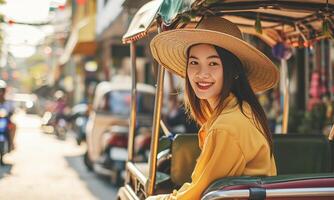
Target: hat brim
x,y
170,50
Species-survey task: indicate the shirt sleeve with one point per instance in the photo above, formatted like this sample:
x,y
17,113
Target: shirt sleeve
x,y
221,157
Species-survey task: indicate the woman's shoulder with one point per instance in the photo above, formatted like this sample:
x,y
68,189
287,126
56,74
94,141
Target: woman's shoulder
x,y
235,121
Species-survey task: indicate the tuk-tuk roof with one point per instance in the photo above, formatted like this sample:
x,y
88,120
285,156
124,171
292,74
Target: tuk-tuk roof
x,y
142,21
294,21
297,19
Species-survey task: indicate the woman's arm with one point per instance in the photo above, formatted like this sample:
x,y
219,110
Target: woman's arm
x,y
221,157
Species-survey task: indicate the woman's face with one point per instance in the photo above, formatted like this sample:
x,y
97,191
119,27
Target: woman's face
x,y
205,73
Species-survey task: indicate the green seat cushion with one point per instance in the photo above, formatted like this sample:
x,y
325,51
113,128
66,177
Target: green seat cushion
x,y
300,154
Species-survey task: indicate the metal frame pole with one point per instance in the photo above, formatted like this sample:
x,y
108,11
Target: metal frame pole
x,y
307,75
133,114
286,97
155,131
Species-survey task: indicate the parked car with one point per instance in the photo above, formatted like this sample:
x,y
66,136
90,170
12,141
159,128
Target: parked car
x,y
108,124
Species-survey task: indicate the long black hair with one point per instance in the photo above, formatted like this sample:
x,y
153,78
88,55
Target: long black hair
x,y
234,81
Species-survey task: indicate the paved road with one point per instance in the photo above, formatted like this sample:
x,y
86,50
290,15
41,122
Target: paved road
x,y
43,167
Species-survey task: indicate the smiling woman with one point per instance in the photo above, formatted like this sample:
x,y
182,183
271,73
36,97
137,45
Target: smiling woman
x,y
222,74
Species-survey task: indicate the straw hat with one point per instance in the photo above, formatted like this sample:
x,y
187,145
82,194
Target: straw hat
x,y
170,50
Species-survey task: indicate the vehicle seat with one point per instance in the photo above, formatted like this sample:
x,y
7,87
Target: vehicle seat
x,y
300,154
294,154
182,153
259,187
185,151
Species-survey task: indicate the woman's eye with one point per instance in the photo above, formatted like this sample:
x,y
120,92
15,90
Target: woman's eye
x,y
213,64
192,63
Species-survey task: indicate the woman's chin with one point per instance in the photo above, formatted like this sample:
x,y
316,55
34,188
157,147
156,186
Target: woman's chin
x,y
202,96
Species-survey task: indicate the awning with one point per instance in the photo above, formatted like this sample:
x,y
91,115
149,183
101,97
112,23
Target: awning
x,y
142,21
81,41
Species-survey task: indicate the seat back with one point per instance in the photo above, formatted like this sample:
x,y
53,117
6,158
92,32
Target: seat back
x,y
332,154
299,154
294,154
318,186
185,151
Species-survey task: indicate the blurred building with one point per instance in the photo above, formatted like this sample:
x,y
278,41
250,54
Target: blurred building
x,y
113,19
77,66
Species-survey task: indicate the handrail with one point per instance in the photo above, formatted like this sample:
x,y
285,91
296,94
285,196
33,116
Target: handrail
x,y
165,129
135,171
331,134
291,192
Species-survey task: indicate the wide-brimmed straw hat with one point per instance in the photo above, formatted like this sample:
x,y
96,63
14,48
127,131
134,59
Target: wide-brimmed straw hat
x,y
170,50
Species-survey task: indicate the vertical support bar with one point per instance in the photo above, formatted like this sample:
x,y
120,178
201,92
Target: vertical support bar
x,y
322,67
285,97
133,101
155,131
307,75
330,69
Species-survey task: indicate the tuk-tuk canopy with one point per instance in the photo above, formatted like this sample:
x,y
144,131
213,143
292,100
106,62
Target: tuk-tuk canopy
x,y
171,8
293,20
142,21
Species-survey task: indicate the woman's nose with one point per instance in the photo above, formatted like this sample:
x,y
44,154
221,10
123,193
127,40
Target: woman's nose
x,y
203,72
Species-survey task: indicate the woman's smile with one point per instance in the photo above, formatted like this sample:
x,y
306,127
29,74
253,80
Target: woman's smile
x,y
204,85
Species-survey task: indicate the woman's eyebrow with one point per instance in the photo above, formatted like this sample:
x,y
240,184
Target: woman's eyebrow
x,y
213,56
194,57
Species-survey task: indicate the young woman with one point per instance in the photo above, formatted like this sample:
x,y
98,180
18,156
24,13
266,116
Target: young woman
x,y
222,74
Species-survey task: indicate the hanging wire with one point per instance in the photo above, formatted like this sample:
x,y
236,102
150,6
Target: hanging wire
x,y
258,26
300,32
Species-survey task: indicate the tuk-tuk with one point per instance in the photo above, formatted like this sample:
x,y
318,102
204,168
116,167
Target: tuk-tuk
x,y
108,123
305,162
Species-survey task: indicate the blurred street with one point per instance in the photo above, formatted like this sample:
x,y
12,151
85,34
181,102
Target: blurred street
x,y
43,167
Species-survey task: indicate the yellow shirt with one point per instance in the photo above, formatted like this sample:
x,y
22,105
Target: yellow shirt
x,y
232,146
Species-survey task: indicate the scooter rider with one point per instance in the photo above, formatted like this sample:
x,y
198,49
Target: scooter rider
x,y
8,106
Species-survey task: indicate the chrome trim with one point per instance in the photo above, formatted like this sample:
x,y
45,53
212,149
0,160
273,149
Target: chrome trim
x,y
165,129
291,192
136,172
226,194
155,132
297,192
132,126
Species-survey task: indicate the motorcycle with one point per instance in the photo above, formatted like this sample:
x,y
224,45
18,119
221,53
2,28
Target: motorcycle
x,y
112,161
60,128
79,120
4,134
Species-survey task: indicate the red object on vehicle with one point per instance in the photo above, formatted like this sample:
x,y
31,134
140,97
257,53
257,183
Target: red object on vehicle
x,y
81,2
118,140
11,22
62,7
